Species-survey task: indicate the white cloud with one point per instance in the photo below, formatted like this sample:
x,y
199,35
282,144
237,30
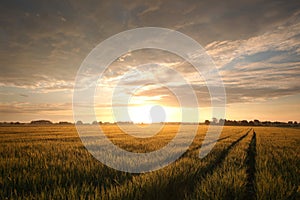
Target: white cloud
x,y
285,37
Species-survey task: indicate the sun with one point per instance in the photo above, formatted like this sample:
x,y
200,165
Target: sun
x,y
147,114
154,113
140,114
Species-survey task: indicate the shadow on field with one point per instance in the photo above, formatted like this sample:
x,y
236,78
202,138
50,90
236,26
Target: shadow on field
x,y
250,161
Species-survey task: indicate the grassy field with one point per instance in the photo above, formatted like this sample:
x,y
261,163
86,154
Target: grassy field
x,y
50,162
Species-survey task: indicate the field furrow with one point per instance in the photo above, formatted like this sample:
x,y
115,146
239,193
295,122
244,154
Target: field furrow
x,y
251,169
227,178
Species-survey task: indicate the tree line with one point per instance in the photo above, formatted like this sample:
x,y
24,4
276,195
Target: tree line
x,y
214,121
255,122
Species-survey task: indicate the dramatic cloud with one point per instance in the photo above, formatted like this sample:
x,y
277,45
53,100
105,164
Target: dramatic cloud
x,y
255,45
265,65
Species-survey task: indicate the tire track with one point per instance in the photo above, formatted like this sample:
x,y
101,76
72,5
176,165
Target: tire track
x,y
251,170
218,140
221,157
210,168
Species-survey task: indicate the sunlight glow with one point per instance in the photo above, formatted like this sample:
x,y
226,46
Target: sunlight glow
x,y
154,114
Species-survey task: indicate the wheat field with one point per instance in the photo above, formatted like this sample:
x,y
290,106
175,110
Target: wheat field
x,y
50,162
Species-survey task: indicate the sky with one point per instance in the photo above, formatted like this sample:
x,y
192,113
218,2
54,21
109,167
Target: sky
x,y
254,44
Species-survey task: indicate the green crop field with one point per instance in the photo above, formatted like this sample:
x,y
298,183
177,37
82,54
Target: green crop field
x,y
50,162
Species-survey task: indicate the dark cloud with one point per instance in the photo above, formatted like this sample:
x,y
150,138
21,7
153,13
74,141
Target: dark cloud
x,y
52,39
209,21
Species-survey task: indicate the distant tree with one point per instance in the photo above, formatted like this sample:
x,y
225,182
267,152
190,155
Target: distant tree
x,y
222,121
79,122
214,120
207,122
228,122
95,123
256,122
266,123
244,122
41,122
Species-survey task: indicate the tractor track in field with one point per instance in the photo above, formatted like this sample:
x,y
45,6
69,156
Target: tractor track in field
x,y
210,168
251,170
197,148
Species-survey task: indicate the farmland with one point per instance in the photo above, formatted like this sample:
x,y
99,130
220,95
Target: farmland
x,y
50,162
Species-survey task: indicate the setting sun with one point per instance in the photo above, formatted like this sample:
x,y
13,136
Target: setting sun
x,y
154,114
